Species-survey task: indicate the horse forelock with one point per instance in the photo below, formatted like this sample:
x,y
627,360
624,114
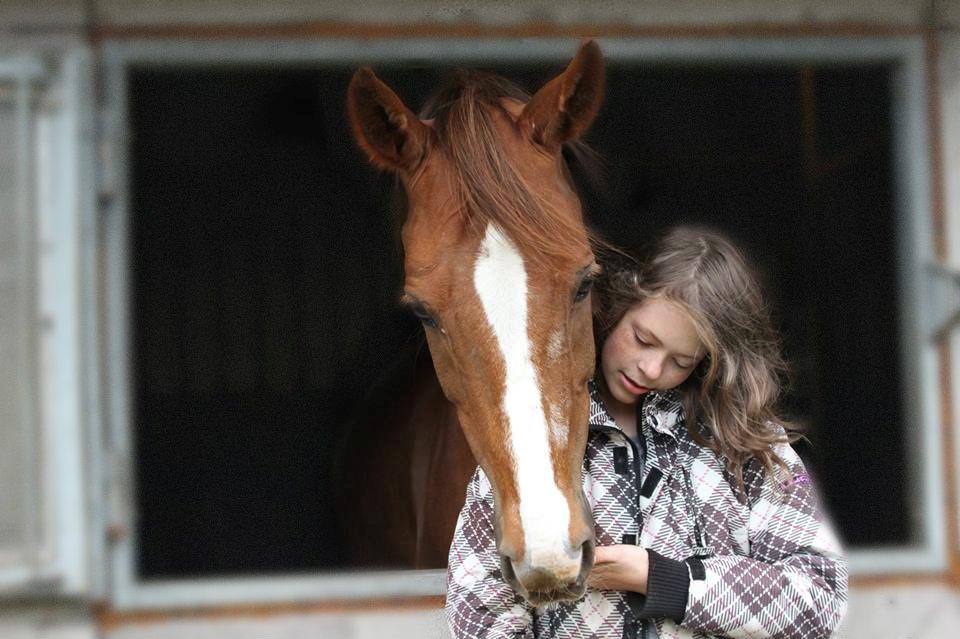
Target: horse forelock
x,y
486,178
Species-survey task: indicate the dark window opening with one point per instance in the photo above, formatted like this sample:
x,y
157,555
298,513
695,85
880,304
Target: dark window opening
x,y
266,274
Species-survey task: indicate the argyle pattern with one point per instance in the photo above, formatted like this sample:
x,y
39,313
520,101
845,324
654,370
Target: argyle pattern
x,y
772,566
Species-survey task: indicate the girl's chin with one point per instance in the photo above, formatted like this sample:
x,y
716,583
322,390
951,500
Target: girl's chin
x,y
625,397
616,392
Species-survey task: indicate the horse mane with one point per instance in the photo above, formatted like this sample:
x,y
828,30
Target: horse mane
x,y
490,188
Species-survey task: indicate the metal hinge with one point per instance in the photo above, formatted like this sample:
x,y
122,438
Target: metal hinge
x,y
118,498
107,164
942,301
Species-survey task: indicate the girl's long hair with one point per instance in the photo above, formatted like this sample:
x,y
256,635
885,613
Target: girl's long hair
x,y
731,399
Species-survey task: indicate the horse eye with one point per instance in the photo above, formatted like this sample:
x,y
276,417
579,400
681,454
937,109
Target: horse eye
x,y
583,290
422,314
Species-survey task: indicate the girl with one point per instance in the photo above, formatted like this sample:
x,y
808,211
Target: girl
x,y
706,521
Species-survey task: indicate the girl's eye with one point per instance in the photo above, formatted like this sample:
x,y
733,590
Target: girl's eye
x,y
422,314
642,341
679,365
583,290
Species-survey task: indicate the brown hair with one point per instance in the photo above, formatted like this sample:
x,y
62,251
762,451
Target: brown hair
x,y
731,399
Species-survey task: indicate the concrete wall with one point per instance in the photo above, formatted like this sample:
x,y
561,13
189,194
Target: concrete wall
x,y
26,15
919,612
949,85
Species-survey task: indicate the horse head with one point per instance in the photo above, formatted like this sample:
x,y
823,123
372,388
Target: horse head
x,y
498,267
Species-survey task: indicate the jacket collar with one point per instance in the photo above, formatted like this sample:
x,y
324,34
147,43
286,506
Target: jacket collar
x,y
662,410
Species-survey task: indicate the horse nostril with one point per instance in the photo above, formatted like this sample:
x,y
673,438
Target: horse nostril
x,y
588,548
510,575
586,562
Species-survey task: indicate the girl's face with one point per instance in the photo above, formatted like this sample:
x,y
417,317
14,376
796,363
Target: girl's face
x,y
655,346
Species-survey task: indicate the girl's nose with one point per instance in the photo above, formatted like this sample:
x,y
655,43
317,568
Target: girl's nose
x,y
651,368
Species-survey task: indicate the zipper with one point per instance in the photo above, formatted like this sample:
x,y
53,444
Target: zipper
x,y
637,462
643,628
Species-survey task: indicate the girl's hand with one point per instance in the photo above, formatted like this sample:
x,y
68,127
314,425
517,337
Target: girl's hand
x,y
620,567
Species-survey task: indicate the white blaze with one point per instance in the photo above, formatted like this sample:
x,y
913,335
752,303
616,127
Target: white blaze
x,y
501,284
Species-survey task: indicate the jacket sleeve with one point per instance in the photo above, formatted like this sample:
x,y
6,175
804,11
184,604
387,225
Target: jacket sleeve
x,y
480,604
794,583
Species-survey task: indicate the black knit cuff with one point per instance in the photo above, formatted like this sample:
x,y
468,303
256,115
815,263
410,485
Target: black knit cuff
x,y
668,584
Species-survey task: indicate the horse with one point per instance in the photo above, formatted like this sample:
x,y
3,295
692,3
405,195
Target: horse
x,y
498,267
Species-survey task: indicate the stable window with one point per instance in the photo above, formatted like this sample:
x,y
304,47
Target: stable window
x,y
258,275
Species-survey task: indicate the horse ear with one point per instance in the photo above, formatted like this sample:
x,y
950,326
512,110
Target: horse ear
x,y
566,106
393,137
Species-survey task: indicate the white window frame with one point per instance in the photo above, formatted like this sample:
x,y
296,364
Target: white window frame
x,y
921,384
58,178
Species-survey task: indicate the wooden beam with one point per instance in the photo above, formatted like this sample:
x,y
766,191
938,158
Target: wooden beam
x,y
355,30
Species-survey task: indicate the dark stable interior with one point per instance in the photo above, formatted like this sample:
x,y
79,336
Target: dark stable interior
x,y
266,270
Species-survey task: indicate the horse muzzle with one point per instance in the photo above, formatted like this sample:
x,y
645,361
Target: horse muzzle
x,y
543,578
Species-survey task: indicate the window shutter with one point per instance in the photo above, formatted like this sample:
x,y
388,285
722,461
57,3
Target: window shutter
x,y
43,525
20,465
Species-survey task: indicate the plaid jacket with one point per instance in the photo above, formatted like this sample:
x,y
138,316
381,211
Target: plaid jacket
x,y
770,567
